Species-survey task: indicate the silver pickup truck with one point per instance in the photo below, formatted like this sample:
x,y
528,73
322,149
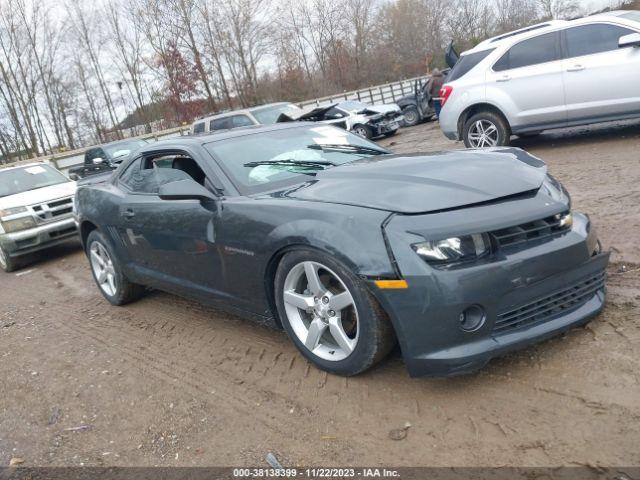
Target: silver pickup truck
x,y
36,203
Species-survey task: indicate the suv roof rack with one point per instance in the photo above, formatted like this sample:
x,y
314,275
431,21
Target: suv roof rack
x,y
518,32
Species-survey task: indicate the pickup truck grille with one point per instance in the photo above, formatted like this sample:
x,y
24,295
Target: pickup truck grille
x,y
537,230
556,304
52,210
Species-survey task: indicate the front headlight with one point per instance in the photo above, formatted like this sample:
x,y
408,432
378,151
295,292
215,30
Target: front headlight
x,y
18,224
12,223
7,212
454,249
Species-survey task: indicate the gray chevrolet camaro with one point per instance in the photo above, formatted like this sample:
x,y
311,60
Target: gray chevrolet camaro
x,y
457,256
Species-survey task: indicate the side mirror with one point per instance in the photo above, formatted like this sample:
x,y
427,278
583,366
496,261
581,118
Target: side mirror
x,y
97,161
185,190
631,40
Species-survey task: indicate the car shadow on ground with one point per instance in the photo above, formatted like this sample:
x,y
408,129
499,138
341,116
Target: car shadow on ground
x,y
589,134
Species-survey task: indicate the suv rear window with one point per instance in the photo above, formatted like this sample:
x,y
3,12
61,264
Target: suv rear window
x,y
466,63
536,50
596,38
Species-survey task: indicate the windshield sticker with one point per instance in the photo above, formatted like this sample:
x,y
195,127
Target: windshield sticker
x,y
35,170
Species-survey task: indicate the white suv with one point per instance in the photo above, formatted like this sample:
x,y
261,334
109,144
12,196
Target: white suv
x,y
550,75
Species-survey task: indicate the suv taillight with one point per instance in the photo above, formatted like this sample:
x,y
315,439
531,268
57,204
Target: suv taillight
x,y
445,91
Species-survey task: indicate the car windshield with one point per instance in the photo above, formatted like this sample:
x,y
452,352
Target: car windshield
x,y
264,161
18,180
119,151
270,115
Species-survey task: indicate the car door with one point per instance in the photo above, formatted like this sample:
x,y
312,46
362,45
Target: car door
x,y
171,243
527,80
601,80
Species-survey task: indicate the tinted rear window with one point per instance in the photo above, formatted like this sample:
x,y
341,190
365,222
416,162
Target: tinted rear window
x,y
541,49
198,128
590,39
466,63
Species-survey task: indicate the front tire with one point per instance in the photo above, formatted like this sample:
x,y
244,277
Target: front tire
x,y
411,116
362,131
329,314
7,263
107,272
486,129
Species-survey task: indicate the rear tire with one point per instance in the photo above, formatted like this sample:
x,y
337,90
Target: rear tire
x,y
7,263
411,116
334,321
486,129
107,271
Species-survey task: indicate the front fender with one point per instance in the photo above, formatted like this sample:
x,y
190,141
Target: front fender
x,y
365,255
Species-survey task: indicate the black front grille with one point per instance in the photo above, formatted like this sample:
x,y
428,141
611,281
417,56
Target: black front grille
x,y
551,306
537,230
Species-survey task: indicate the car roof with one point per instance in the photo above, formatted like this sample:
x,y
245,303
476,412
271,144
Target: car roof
x,y
209,137
538,29
238,111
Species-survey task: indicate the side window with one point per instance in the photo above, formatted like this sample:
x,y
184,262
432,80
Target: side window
x,y
220,124
233,121
334,113
241,121
537,50
95,153
198,128
130,172
147,174
596,38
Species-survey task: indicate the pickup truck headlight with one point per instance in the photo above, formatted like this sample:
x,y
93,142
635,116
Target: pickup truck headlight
x,y
454,249
11,223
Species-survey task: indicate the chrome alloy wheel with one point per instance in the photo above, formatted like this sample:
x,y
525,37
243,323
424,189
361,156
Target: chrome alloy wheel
x,y
483,133
321,311
3,258
103,268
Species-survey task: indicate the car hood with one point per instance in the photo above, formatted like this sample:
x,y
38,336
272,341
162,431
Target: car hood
x,y
419,183
40,195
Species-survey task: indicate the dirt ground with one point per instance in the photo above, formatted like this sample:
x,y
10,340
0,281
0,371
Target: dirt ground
x,y
166,381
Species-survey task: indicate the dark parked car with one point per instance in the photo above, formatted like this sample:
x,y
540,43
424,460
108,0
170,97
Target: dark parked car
x,y
460,256
104,158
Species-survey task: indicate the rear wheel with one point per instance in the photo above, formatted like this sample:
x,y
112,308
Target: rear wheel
x,y
411,116
7,263
329,315
486,129
107,272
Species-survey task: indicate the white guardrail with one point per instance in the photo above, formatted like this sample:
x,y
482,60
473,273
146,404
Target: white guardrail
x,y
386,93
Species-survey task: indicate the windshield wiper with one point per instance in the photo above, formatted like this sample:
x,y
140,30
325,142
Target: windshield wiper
x,y
347,148
294,163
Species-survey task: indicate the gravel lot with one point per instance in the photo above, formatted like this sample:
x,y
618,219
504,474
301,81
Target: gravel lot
x,y
166,381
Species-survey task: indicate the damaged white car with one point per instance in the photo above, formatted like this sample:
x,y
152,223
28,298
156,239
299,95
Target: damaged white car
x,y
368,121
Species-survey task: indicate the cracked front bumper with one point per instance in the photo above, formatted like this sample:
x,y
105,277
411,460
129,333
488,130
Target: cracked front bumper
x,y
526,296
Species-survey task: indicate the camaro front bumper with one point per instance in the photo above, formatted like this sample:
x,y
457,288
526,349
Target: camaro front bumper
x,y
39,237
526,296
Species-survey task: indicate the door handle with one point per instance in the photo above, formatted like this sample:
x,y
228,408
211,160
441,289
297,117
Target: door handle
x,y
575,68
504,78
128,213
